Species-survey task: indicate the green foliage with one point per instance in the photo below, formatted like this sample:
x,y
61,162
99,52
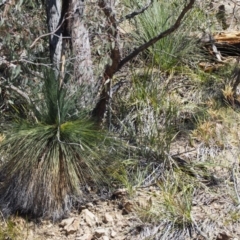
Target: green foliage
x,y
19,65
171,208
128,173
176,48
146,114
47,161
8,230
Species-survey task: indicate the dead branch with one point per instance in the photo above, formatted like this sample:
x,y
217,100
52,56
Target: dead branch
x,y
115,56
158,37
137,12
116,65
48,34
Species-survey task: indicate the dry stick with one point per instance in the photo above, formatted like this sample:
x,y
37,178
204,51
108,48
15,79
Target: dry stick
x,y
137,12
49,65
235,168
47,34
198,229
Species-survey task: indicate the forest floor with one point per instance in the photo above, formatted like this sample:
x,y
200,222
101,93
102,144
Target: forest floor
x,y
198,196
197,199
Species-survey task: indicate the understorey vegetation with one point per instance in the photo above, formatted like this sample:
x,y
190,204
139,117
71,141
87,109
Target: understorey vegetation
x,y
113,95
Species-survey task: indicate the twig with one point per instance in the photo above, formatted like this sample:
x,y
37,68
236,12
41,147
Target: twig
x,y
3,217
33,63
137,12
178,154
48,34
235,182
198,229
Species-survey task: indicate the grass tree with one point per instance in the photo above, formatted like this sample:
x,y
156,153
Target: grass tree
x,y
47,161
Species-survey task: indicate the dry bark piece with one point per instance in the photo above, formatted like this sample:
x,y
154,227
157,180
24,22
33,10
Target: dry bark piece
x,y
228,42
228,37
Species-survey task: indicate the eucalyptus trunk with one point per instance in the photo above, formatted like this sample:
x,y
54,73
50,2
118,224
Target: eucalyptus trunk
x,y
69,39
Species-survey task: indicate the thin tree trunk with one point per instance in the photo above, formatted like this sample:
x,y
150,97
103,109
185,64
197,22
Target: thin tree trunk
x,y
80,44
66,25
115,55
54,18
83,69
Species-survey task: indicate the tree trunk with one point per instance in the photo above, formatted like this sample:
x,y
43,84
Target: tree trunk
x,y
55,27
83,69
65,20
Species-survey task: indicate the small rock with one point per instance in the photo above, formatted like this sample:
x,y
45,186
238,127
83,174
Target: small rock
x,y
105,238
100,232
107,218
69,230
89,217
72,228
127,207
113,234
69,226
89,205
119,193
66,222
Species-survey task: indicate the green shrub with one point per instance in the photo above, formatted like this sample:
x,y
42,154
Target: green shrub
x,y
47,161
176,48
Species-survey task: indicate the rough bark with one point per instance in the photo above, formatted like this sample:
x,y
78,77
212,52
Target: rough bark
x,y
62,23
83,69
66,25
54,18
80,44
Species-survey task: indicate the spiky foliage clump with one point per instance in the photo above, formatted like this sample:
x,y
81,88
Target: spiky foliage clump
x,y
47,161
175,48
